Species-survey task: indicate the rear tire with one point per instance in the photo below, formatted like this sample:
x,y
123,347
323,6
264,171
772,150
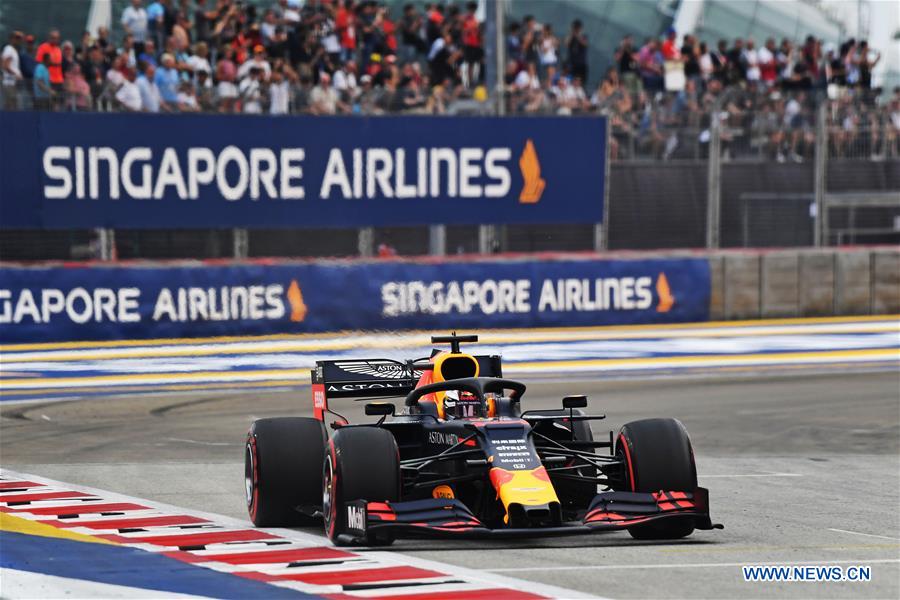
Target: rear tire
x,y
658,456
283,469
574,495
361,463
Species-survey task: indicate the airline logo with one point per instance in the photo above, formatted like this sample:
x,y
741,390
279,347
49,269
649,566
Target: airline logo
x,y
239,174
498,296
530,166
295,300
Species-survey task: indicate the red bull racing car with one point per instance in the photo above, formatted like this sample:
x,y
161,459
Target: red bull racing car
x,y
462,458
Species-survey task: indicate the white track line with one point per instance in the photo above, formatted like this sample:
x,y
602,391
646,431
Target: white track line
x,y
872,535
751,475
490,580
859,561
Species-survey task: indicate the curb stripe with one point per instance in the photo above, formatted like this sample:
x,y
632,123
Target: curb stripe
x,y
281,559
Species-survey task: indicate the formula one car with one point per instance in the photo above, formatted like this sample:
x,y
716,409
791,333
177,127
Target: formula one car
x,y
462,459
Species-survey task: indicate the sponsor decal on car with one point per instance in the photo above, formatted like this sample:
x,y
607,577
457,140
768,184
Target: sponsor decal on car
x,y
356,517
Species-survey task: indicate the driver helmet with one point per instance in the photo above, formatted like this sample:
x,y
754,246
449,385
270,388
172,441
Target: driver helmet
x,y
459,404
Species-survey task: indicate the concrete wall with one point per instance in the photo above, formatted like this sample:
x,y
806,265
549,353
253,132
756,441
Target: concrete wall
x,y
804,283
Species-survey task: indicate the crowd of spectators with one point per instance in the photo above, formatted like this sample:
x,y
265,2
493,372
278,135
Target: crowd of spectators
x,y
329,57
312,56
661,96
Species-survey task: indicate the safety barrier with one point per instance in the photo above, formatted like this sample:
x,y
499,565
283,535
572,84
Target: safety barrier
x,y
127,300
805,283
124,301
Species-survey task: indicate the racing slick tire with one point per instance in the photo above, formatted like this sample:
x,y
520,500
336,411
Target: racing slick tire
x,y
283,470
572,494
361,463
658,456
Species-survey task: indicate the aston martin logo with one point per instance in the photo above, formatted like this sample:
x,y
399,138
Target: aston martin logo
x,y
531,174
379,370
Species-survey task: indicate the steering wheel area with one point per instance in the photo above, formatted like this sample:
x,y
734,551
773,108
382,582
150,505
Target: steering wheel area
x,y
477,386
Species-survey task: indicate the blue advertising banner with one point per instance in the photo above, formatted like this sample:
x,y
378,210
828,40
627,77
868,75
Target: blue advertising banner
x,y
68,171
131,302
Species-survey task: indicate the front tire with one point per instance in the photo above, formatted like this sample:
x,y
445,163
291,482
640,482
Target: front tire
x,y
361,463
283,469
657,454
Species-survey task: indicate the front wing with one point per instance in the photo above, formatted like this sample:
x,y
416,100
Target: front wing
x,y
609,511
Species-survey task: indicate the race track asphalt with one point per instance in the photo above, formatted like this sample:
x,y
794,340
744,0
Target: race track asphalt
x,y
803,468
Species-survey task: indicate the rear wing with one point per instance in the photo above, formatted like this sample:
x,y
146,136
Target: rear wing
x,y
375,378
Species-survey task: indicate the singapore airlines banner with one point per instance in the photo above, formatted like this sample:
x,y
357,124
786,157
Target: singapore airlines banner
x,y
127,301
62,171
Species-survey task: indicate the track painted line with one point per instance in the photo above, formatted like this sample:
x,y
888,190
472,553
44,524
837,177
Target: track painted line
x,y
624,330
742,475
283,559
65,372
872,535
217,346
709,565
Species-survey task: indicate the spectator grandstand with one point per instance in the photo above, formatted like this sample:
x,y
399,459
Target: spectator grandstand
x,y
356,57
769,99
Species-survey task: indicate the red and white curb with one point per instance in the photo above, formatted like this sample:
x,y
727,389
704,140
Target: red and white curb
x,y
280,557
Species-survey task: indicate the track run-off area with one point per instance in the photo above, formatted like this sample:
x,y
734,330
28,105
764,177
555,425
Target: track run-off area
x,y
73,369
123,476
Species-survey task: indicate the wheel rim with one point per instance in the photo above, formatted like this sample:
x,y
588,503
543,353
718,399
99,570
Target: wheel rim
x,y
328,495
249,473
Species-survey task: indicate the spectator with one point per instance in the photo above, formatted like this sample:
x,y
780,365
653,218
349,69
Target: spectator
x,y
151,99
412,44
250,91
43,87
226,75
345,25
51,49
345,81
323,98
11,73
27,65
134,22
768,63
750,59
149,54
279,93
198,62
78,91
866,64
128,95
257,62
166,79
577,48
187,98
650,62
95,69
473,52
549,55
205,92
669,46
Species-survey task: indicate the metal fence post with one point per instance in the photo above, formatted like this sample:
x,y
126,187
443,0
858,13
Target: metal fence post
x,y
437,240
713,181
366,241
106,240
820,231
241,243
601,230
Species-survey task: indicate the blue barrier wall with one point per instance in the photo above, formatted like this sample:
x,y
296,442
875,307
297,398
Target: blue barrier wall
x,y
67,171
124,302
